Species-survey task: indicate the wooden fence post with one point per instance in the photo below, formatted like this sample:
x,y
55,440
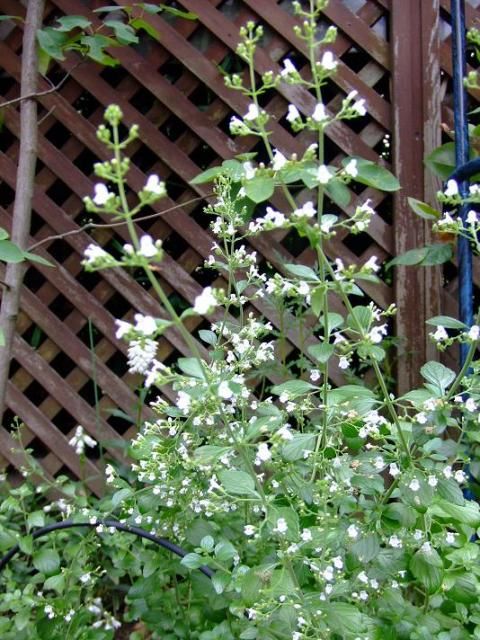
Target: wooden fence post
x,y
415,50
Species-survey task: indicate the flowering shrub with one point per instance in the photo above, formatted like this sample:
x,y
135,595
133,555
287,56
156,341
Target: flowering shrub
x,y
326,512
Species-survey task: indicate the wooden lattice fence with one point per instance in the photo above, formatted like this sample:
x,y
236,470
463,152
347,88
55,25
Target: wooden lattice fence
x,y
391,52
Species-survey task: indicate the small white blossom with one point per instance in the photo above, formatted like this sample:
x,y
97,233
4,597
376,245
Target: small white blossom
x,y
440,334
281,526
263,453
328,61
306,211
323,174
372,264
395,542
306,535
249,530
460,476
81,440
148,248
205,301
393,470
145,325
451,189
224,390
252,113
288,68
472,217
279,160
319,113
155,185
293,113
474,332
432,481
102,194
343,362
414,485
93,253
141,354
352,531
351,168
450,537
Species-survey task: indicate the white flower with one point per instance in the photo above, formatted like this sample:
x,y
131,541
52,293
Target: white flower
x,y
328,61
85,578
102,194
337,562
440,334
323,174
393,470
376,333
372,264
93,253
474,332
359,107
450,537
224,390
205,301
293,113
460,476
263,453
414,485
141,354
155,185
279,160
48,609
252,113
351,168
281,526
421,418
378,463
183,401
249,530
326,225
472,217
306,535
432,481
451,189
148,248
145,325
123,328
306,211
447,472
319,113
471,405
343,362
80,440
395,542
315,375
352,531
288,68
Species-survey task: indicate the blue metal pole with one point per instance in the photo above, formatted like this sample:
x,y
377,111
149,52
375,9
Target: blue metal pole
x,y
462,154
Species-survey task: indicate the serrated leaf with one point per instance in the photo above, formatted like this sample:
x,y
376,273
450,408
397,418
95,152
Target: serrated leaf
x,y
366,548
259,188
345,618
447,322
437,374
464,590
427,567
450,491
46,561
295,448
96,46
238,483
423,210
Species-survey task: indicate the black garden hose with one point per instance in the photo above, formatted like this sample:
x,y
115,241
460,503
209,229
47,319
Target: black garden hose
x,y
141,533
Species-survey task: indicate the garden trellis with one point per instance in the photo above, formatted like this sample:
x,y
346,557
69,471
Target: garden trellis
x,y
173,88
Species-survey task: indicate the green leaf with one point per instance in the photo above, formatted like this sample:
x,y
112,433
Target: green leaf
x,y
67,23
346,619
427,567
464,590
338,192
192,367
302,271
192,561
414,256
2,338
295,448
447,322
26,544
208,175
52,42
44,60
209,453
374,175
321,352
36,519
142,25
424,210
367,548
437,254
4,18
260,188
186,15
123,32
120,496
360,316
437,374
220,581
293,388
46,561
441,161
96,46
225,551
208,337
450,491
238,483
55,583
4,235
33,257
207,543
468,514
